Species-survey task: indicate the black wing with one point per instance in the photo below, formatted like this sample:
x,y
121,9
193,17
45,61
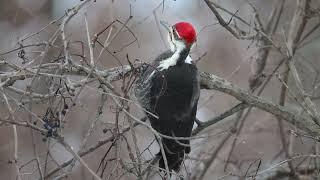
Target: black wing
x,y
143,84
172,95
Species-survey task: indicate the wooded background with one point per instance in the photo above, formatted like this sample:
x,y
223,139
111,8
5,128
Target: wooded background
x,y
67,69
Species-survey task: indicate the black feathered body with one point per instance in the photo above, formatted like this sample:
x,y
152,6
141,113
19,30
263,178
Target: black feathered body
x,y
172,94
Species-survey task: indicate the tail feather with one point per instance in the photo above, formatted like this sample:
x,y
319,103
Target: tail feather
x,y
174,154
174,160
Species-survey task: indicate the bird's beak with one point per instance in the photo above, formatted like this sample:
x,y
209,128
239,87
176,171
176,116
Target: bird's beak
x,y
165,25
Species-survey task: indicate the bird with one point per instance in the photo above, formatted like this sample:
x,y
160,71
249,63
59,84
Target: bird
x,y
169,89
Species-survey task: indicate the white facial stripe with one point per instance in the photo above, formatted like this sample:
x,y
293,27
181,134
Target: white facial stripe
x,y
176,47
178,34
165,64
171,44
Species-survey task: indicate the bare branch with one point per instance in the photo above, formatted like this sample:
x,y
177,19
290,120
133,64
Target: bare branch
x,y
209,81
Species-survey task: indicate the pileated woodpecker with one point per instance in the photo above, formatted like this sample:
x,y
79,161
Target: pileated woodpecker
x,y
169,88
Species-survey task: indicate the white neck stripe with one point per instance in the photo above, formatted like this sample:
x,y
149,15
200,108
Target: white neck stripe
x,y
177,47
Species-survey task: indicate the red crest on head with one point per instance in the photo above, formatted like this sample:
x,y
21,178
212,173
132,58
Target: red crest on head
x,y
186,31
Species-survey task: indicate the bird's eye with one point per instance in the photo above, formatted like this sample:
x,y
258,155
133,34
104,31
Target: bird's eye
x,y
175,33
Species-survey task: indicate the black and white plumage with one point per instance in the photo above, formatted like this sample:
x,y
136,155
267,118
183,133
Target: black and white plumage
x,y
169,88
